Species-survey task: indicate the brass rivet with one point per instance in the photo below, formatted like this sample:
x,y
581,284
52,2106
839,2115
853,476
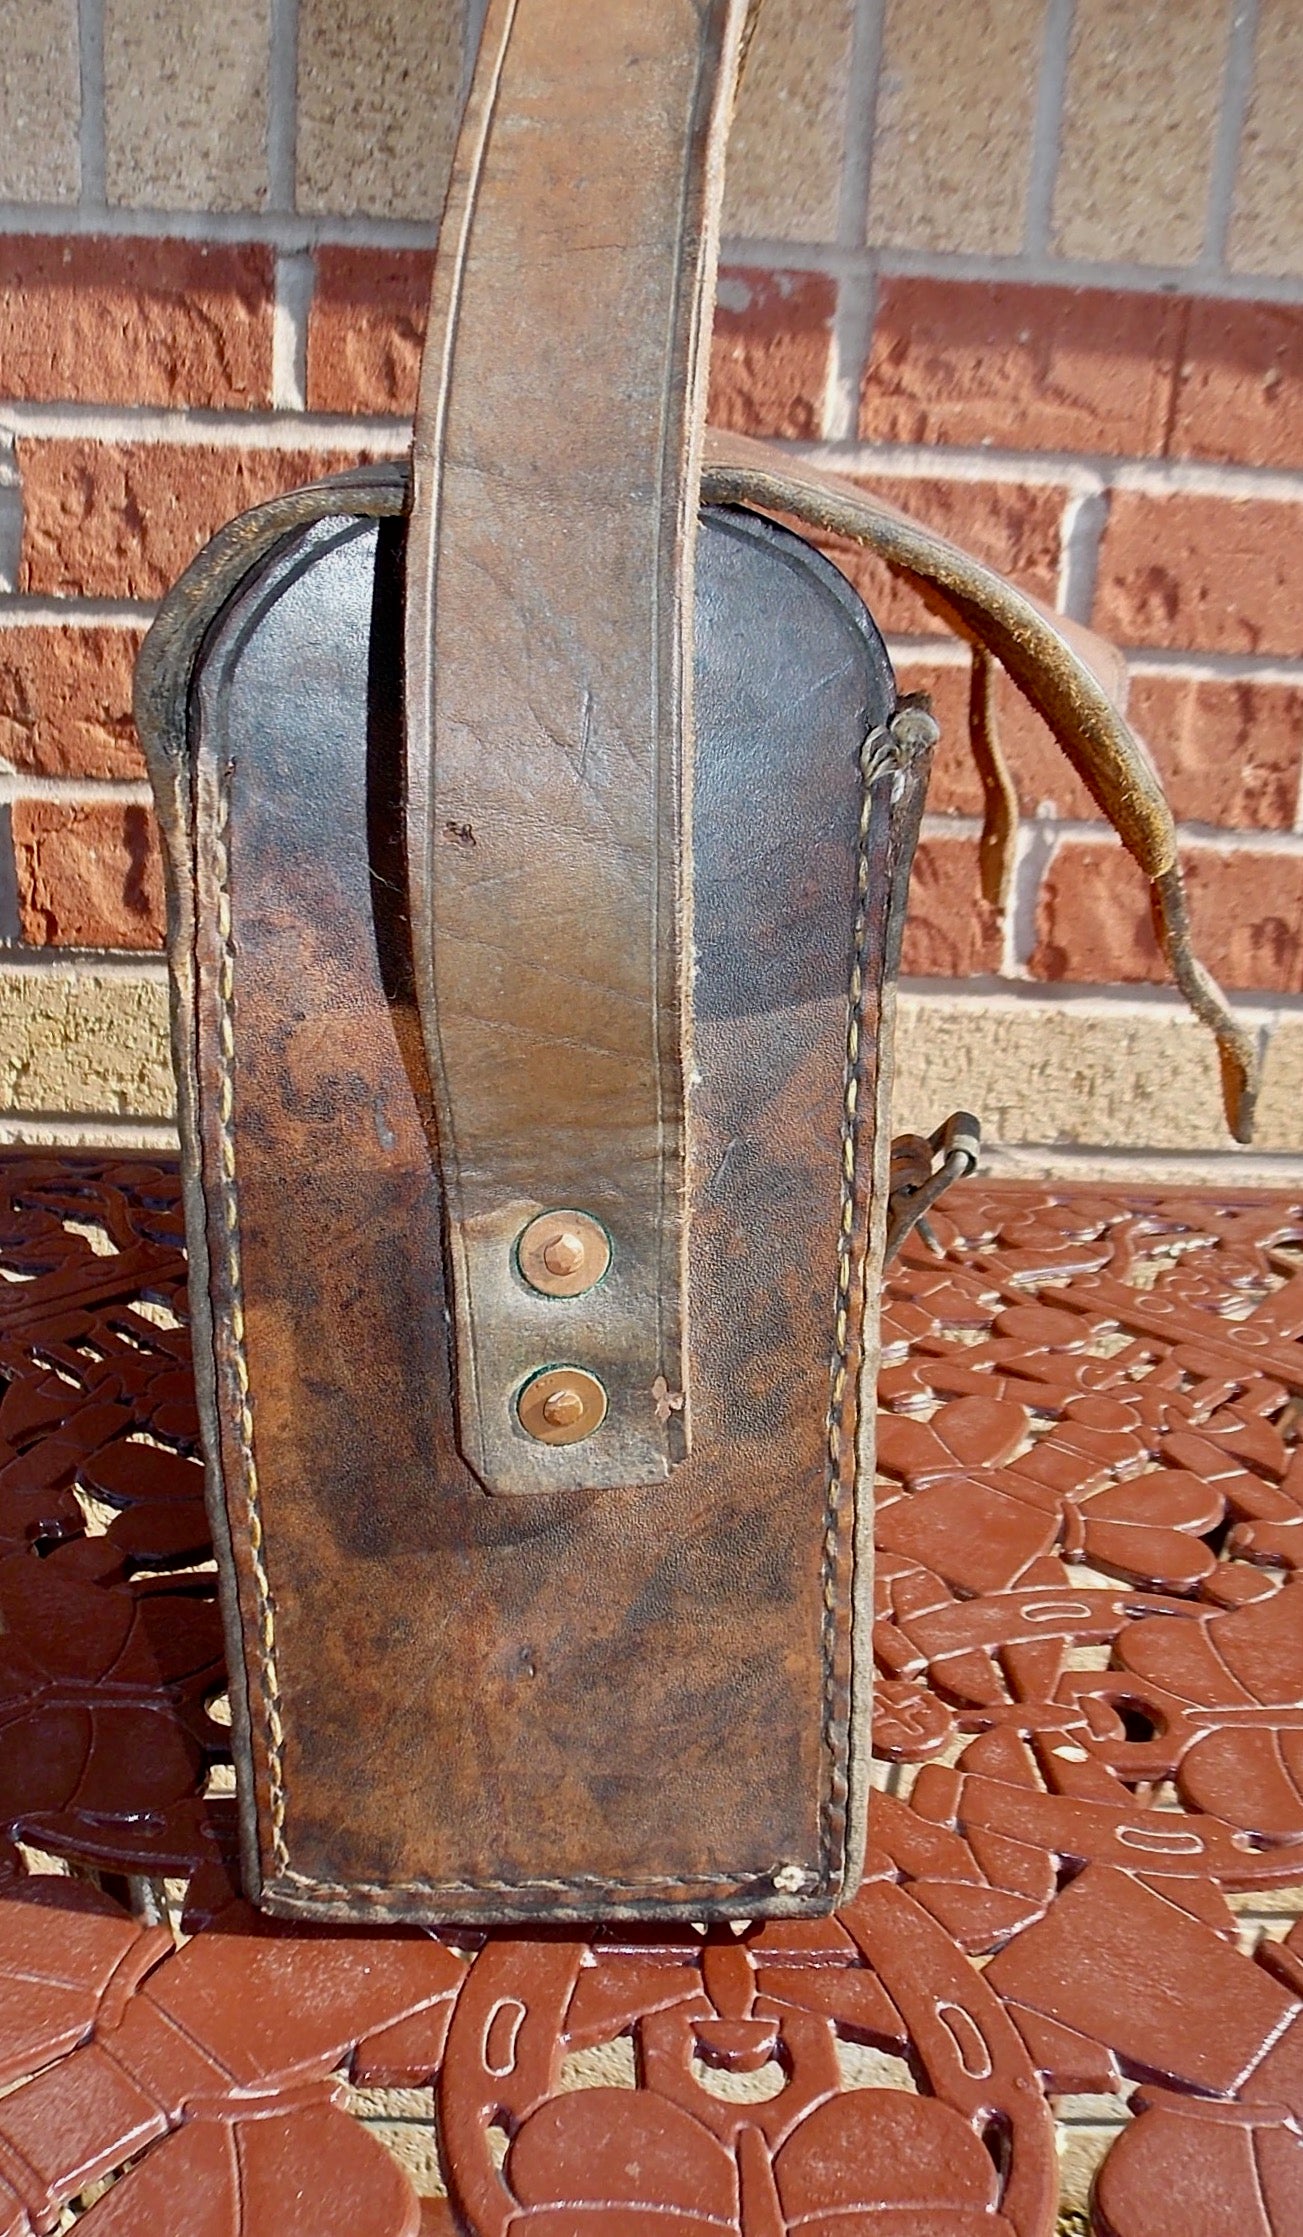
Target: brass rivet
x,y
561,1405
565,1255
562,1254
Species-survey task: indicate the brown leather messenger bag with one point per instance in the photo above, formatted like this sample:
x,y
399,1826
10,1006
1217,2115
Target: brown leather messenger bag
x,y
538,831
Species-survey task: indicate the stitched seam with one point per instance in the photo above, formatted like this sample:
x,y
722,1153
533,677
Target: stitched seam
x,y
879,755
582,1883
267,1673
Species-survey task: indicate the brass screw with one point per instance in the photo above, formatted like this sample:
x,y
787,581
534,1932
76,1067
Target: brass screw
x,y
563,1407
563,1254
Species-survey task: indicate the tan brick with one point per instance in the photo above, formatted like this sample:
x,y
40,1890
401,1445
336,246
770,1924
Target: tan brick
x,y
1209,573
953,134
185,103
950,933
1246,914
1240,384
1228,750
1013,525
40,101
121,520
84,1041
1021,367
1100,1072
88,876
1267,224
1140,111
379,100
770,351
366,326
1280,1104
122,321
65,701
784,152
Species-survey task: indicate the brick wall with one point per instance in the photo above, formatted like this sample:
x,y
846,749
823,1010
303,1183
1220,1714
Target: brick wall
x,y
1033,269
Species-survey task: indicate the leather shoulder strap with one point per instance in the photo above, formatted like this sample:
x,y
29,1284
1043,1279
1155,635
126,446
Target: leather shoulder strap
x,y
555,492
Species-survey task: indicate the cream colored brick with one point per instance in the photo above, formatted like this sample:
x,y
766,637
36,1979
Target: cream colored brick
x,y
84,1041
784,152
1107,1074
956,100
1280,1105
1267,225
40,101
379,101
1144,86
185,96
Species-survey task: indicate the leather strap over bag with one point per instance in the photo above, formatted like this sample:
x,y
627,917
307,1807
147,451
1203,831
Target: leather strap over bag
x,y
1075,679
549,600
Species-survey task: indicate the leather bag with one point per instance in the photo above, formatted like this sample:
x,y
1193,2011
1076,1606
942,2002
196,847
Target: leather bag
x,y
538,829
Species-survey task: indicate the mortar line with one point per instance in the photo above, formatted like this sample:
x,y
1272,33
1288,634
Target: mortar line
x,y
118,963
92,133
298,230
292,303
1157,477
282,103
95,1130
75,792
1037,846
23,611
1020,907
1095,996
1047,124
1080,535
227,430
859,123
1237,83
1196,838
1184,665
275,228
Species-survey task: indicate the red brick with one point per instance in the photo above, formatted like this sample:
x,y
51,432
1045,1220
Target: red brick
x,y
88,876
1228,750
1013,525
770,350
65,701
953,789
366,326
1246,913
1213,574
1041,771
1024,368
950,933
115,321
1240,384
121,520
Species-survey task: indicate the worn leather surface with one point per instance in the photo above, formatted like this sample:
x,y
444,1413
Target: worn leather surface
x,y
647,1700
548,718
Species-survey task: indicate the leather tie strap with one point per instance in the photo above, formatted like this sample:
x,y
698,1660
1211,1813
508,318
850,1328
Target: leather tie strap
x,y
555,491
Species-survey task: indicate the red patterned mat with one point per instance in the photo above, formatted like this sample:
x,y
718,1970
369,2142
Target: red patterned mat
x,y
1080,1943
